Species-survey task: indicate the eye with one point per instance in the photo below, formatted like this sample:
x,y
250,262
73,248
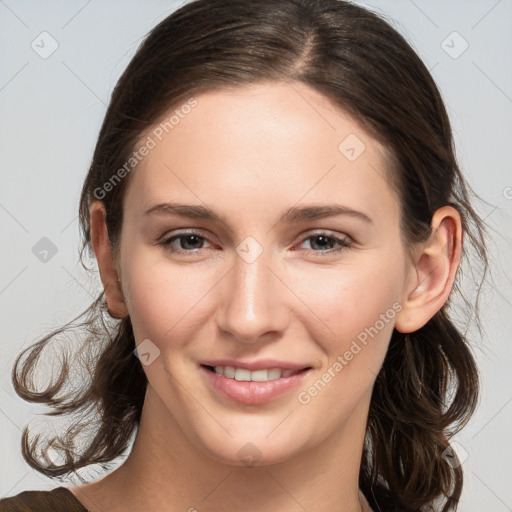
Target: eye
x,y
323,241
189,242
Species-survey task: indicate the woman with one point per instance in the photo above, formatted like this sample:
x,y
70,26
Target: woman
x,y
277,215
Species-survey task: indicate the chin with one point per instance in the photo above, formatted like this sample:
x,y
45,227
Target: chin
x,y
244,451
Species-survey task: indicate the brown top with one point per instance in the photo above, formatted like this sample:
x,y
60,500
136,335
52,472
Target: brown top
x,y
59,499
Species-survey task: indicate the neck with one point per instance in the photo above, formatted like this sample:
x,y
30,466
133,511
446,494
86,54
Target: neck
x,y
166,472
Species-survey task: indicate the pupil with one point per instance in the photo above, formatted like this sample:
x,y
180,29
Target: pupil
x,y
325,240
191,237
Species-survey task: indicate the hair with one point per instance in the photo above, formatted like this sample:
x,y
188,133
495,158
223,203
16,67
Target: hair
x,y
427,388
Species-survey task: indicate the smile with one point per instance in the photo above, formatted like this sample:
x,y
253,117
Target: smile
x,y
242,374
252,387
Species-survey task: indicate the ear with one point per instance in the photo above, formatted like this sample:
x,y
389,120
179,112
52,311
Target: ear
x,y
435,265
106,261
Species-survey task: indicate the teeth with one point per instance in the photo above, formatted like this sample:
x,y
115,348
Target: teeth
x,y
242,374
274,374
229,371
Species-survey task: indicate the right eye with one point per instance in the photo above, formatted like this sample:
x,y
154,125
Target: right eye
x,y
189,243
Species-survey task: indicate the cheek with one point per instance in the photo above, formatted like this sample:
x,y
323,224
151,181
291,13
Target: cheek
x,y
357,304
163,299
356,310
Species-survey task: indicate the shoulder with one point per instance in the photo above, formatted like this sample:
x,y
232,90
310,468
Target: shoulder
x,y
59,499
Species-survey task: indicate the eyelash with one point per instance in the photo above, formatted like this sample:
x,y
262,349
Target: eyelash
x,y
344,243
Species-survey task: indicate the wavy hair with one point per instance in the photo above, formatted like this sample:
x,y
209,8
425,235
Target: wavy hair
x,y
428,386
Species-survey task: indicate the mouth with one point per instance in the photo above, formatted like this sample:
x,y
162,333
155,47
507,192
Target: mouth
x,y
245,375
252,387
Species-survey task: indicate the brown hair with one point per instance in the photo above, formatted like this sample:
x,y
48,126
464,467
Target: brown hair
x,y
427,388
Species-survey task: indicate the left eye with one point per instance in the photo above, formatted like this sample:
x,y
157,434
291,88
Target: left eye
x,y
321,243
324,240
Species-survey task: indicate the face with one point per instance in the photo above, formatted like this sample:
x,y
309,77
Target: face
x,y
266,280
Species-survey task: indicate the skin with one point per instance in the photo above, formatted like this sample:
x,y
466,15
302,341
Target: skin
x,y
251,154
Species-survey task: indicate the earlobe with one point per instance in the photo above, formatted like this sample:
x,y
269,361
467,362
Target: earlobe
x,y
106,262
434,271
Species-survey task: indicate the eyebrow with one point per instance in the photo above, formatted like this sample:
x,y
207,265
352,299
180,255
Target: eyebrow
x,y
294,214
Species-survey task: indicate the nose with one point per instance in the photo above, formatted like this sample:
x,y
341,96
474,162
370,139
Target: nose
x,y
253,303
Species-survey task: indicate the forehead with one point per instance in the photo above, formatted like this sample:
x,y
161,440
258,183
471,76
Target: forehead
x,y
276,140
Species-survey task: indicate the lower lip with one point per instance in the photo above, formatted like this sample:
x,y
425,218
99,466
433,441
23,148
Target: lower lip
x,y
252,392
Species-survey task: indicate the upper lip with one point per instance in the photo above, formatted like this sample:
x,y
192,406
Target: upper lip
x,y
260,364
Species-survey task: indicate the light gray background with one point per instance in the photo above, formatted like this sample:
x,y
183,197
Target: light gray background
x,y
50,114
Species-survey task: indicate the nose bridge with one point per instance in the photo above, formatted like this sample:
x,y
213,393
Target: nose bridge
x,y
252,302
